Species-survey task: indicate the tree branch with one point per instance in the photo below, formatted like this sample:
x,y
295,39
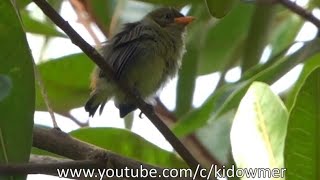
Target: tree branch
x,y
301,12
40,159
86,155
48,168
98,59
190,141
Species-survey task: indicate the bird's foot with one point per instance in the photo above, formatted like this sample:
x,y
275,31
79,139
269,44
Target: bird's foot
x,y
140,115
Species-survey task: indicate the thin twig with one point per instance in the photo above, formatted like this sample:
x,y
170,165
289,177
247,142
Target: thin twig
x,y
75,120
221,79
89,8
44,94
85,19
115,17
301,12
98,59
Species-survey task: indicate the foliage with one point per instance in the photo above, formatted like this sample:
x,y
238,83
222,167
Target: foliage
x,y
264,117
226,34
17,95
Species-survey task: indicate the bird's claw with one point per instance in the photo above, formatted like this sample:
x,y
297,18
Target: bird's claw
x,y
140,114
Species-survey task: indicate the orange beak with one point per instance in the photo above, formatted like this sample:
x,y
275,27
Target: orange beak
x,y
184,20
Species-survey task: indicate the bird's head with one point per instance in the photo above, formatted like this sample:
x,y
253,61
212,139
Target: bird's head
x,y
169,18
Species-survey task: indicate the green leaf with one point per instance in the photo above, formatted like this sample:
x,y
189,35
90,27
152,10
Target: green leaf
x,y
5,86
302,144
17,106
128,144
66,81
313,4
259,129
187,79
271,74
34,26
22,3
215,137
188,71
102,12
200,116
224,38
220,8
56,4
229,96
258,34
308,67
280,36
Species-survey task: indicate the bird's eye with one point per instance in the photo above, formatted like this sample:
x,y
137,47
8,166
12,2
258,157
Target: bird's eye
x,y
167,16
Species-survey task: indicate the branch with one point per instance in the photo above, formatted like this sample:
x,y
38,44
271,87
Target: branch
x,y
301,12
74,119
89,8
44,94
61,143
40,159
86,155
190,141
102,64
84,19
48,168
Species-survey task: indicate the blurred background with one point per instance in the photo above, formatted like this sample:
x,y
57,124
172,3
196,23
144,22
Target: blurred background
x,y
225,52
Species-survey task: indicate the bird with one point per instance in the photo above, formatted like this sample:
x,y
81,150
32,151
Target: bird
x,y
145,54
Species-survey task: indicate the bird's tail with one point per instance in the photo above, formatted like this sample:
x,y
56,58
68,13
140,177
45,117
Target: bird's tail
x,y
94,102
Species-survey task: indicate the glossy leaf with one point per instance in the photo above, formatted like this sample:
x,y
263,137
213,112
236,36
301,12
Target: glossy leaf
x,y
224,38
273,73
258,35
23,3
259,129
281,38
5,86
101,12
186,83
34,26
215,137
128,144
302,143
228,97
200,116
66,81
17,105
220,8
188,71
309,66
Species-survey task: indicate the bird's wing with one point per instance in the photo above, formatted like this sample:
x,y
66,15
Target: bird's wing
x,y
128,45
